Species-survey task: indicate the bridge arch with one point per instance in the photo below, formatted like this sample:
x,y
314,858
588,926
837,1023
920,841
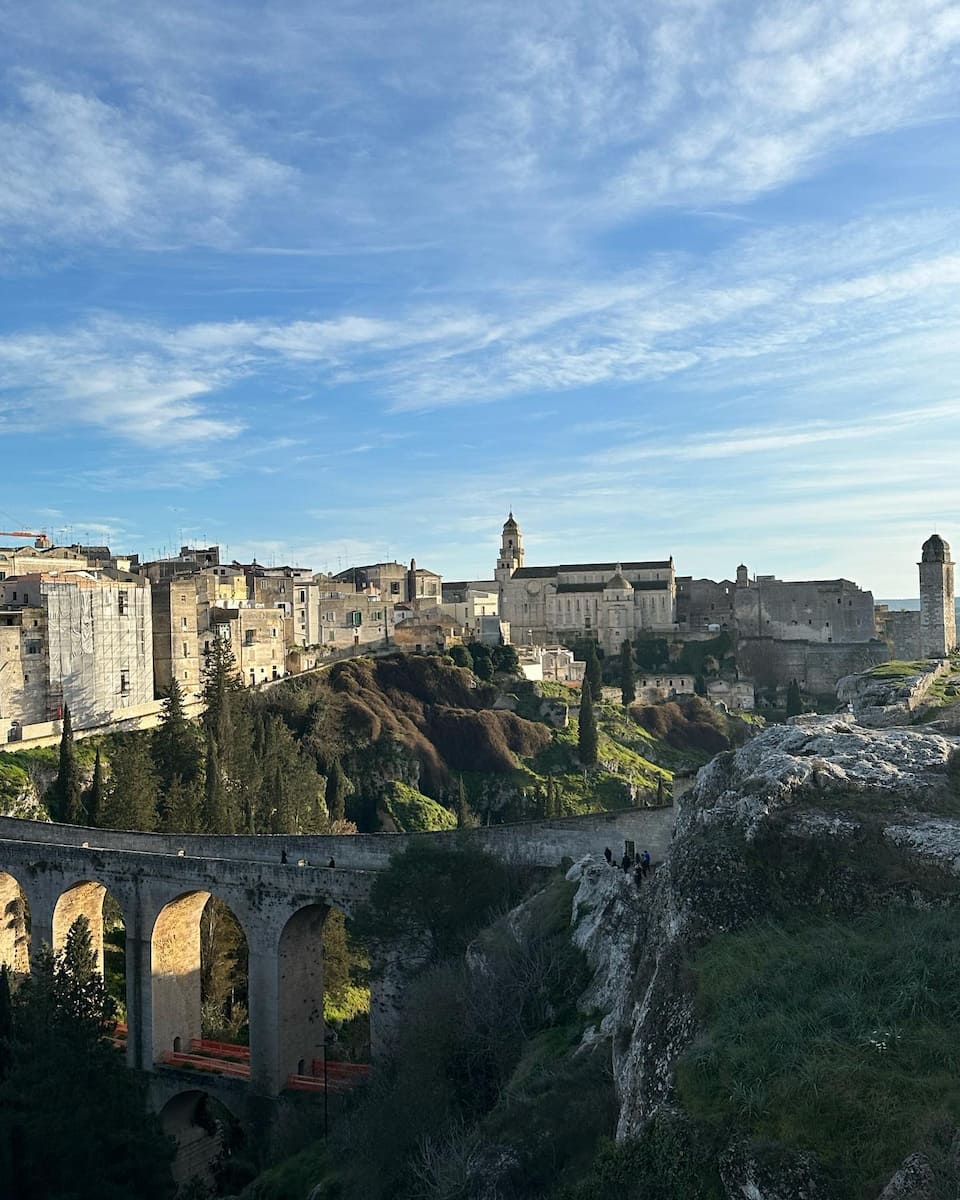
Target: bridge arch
x,y
14,925
202,1125
177,958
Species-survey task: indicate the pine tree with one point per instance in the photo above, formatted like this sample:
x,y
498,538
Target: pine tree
x,y
628,692
174,746
180,809
130,800
65,797
794,702
221,683
93,798
215,813
587,732
336,794
79,991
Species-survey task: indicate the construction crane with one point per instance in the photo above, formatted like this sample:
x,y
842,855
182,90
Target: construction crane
x,y
40,540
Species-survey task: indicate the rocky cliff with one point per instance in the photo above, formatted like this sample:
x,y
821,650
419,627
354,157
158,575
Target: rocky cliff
x,y
817,824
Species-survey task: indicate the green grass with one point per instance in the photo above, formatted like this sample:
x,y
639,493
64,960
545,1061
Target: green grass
x,y
840,1037
900,669
413,812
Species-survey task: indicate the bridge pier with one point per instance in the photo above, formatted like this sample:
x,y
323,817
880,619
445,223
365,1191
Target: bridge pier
x,y
262,1000
13,927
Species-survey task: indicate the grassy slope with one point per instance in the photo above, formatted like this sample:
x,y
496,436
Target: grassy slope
x,y
834,1036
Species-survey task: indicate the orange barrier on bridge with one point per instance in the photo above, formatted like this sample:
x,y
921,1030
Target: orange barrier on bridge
x,y
220,1049
233,1060
200,1062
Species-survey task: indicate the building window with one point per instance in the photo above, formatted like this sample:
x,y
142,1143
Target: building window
x,y
122,602
394,588
26,678
356,618
33,647
273,632
248,637
186,649
303,596
124,682
183,622
283,588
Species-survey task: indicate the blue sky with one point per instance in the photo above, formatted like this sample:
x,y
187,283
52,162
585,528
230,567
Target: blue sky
x,y
348,281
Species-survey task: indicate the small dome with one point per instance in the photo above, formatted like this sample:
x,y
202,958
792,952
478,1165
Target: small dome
x,y
510,523
617,581
935,549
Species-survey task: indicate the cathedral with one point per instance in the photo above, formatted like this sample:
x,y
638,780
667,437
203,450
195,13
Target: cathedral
x,y
608,602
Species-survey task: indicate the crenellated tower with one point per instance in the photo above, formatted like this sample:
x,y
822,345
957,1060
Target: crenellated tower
x,y
938,615
511,550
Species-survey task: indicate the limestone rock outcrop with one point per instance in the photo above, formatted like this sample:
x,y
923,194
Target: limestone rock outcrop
x,y
807,812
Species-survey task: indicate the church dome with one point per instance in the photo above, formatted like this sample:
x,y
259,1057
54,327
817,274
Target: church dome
x,y
935,549
617,581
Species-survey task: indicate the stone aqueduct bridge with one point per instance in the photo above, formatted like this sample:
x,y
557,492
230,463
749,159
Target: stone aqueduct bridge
x,y
162,882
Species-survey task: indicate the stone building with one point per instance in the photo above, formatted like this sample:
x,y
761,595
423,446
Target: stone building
x,y
258,638
475,604
345,618
816,610
394,583
80,638
181,625
605,601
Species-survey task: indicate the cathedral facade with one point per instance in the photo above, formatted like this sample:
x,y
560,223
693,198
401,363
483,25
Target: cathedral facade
x,y
608,602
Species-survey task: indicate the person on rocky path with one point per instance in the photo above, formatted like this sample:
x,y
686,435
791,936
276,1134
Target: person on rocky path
x,y
638,874
625,861
283,856
608,855
645,861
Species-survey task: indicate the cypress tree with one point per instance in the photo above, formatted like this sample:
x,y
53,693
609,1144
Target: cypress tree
x,y
627,691
215,814
65,797
93,798
587,731
794,702
282,815
466,818
336,794
593,672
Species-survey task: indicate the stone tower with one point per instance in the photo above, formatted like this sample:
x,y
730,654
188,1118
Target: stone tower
x,y
511,550
938,617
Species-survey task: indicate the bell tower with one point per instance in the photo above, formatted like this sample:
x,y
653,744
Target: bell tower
x,y
511,550
938,620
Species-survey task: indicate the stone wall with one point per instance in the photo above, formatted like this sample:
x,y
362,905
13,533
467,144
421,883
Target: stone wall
x,y
536,843
817,667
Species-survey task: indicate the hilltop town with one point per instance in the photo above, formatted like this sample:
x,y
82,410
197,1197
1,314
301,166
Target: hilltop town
x,y
106,634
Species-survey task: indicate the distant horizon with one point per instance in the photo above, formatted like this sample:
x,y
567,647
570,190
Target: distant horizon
x,y
344,283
